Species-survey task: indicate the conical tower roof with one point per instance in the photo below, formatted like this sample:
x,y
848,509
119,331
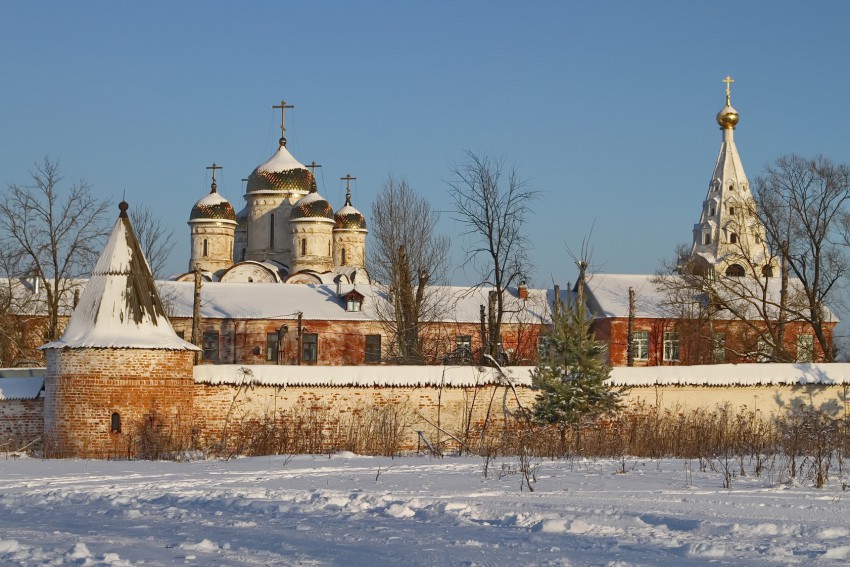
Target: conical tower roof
x,y
120,307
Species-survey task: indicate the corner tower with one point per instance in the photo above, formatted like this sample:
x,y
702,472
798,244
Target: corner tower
x,y
119,372
729,237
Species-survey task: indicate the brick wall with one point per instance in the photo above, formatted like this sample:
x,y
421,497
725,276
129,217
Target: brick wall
x,y
21,422
84,387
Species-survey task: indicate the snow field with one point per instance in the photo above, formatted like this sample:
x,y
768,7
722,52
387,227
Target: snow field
x,y
353,511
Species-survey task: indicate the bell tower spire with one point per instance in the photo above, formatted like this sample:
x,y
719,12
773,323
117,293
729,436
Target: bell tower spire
x,y
729,237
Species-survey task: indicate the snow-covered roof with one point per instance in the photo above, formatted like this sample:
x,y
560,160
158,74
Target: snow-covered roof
x,y
733,375
21,388
282,160
120,307
359,376
321,302
608,296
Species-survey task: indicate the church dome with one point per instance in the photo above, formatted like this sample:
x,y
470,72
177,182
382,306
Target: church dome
x,y
213,207
312,206
727,117
348,216
281,172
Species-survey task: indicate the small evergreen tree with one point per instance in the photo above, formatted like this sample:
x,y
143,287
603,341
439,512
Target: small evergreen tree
x,y
571,373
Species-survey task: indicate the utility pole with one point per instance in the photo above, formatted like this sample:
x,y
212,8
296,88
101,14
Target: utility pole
x,y
196,315
300,337
631,333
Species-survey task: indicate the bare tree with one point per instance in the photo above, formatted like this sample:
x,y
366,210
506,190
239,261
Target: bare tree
x,y
492,201
54,233
409,258
803,204
773,283
155,238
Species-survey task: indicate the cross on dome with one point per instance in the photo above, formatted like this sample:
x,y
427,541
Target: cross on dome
x,y
347,180
283,106
213,167
728,80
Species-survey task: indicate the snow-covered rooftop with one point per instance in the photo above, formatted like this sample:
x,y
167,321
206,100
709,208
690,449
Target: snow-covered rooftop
x,y
119,306
282,160
21,388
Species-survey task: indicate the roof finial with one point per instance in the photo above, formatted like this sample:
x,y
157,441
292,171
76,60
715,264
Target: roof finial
x,y
283,106
347,179
213,167
728,80
123,206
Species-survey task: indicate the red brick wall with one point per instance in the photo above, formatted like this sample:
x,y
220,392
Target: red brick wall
x,y
83,387
695,342
21,421
344,342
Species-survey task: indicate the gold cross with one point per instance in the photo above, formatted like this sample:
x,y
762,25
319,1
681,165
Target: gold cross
x,y
347,179
728,80
313,166
213,167
283,106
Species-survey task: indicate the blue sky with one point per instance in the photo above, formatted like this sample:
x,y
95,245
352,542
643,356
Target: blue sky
x,y
606,107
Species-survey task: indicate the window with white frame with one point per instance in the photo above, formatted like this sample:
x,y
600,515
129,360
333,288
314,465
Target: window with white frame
x,y
671,346
640,345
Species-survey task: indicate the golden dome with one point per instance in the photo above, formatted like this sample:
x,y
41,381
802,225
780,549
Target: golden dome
x,y
281,172
348,216
213,207
312,206
728,117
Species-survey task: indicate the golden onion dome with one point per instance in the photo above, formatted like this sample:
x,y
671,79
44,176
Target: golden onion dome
x,y
728,117
213,207
312,206
349,217
281,172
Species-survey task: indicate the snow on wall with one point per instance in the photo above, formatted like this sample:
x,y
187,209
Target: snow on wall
x,y
719,375
357,376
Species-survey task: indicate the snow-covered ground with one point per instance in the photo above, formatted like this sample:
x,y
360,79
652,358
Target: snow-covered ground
x,y
361,511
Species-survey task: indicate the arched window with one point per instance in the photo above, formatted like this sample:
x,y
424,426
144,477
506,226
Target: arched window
x,y
731,187
342,257
329,247
731,210
708,239
115,423
271,231
303,246
733,238
767,271
735,271
206,248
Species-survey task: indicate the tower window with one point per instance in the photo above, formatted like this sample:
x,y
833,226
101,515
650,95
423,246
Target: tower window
x,y
329,247
733,238
731,210
303,246
735,271
271,231
713,210
342,257
767,271
708,239
206,247
731,187
115,423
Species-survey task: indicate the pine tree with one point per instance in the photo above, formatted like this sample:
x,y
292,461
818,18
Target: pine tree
x,y
571,373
